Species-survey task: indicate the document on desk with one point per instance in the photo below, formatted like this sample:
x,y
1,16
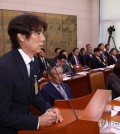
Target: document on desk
x,y
115,118
66,78
81,73
111,125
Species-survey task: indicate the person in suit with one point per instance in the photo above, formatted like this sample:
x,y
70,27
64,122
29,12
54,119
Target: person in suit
x,y
82,56
113,81
66,65
55,88
107,50
112,59
88,57
18,78
75,59
57,50
43,62
98,61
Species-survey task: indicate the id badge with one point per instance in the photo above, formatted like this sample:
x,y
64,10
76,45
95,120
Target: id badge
x,y
36,85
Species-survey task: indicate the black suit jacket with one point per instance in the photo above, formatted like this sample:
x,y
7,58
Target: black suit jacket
x,y
16,95
96,63
111,60
113,83
43,66
67,69
72,60
50,93
89,61
107,54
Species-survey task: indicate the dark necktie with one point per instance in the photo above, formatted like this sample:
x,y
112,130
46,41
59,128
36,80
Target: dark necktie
x,y
31,69
43,61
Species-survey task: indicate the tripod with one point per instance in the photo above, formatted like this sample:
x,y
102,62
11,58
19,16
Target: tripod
x,y
110,36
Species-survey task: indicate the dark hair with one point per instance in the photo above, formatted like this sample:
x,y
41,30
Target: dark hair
x,y
100,45
107,45
62,51
82,49
96,49
24,24
43,50
87,45
58,48
116,69
61,56
75,49
112,49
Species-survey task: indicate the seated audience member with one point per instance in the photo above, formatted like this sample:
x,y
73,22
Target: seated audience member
x,y
82,56
112,59
98,61
102,47
89,56
42,60
75,60
57,50
107,50
113,80
66,66
65,53
55,88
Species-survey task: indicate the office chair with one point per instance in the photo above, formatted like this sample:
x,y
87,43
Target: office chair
x,y
97,81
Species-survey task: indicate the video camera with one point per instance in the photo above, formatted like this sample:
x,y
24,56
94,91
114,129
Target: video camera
x,y
111,29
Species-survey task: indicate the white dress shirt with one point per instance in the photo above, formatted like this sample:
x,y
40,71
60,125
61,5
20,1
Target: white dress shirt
x,y
26,59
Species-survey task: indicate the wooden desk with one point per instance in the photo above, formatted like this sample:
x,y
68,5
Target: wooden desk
x,y
88,118
80,84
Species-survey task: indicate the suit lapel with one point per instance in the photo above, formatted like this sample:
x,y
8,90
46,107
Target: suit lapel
x,y
23,70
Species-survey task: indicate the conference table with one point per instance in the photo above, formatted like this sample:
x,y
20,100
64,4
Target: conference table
x,y
80,83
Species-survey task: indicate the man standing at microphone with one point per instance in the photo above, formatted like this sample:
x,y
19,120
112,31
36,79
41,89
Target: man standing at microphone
x,y
18,75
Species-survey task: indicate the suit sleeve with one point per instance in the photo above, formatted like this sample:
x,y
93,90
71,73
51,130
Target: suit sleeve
x,y
41,103
113,83
8,117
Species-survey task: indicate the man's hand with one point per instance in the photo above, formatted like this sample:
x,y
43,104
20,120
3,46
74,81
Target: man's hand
x,y
50,117
57,112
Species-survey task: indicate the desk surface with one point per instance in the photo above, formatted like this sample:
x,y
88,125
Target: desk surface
x,y
80,84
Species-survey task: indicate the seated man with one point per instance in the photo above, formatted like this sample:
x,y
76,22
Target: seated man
x,y
98,61
55,88
66,65
112,59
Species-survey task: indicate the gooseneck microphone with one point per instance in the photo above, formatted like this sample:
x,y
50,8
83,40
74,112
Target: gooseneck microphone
x,y
70,103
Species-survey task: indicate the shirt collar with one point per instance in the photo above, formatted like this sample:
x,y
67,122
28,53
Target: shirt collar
x,y
55,85
25,57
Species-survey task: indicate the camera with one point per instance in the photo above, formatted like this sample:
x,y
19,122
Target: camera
x,y
111,29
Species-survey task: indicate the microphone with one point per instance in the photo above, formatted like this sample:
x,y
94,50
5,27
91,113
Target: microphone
x,y
76,116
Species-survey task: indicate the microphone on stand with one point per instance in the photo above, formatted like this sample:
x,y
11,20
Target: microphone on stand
x,y
76,116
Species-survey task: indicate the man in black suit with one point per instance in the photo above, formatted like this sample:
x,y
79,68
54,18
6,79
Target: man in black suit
x,y
112,59
55,88
107,50
66,65
98,61
89,56
43,62
18,78
75,59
